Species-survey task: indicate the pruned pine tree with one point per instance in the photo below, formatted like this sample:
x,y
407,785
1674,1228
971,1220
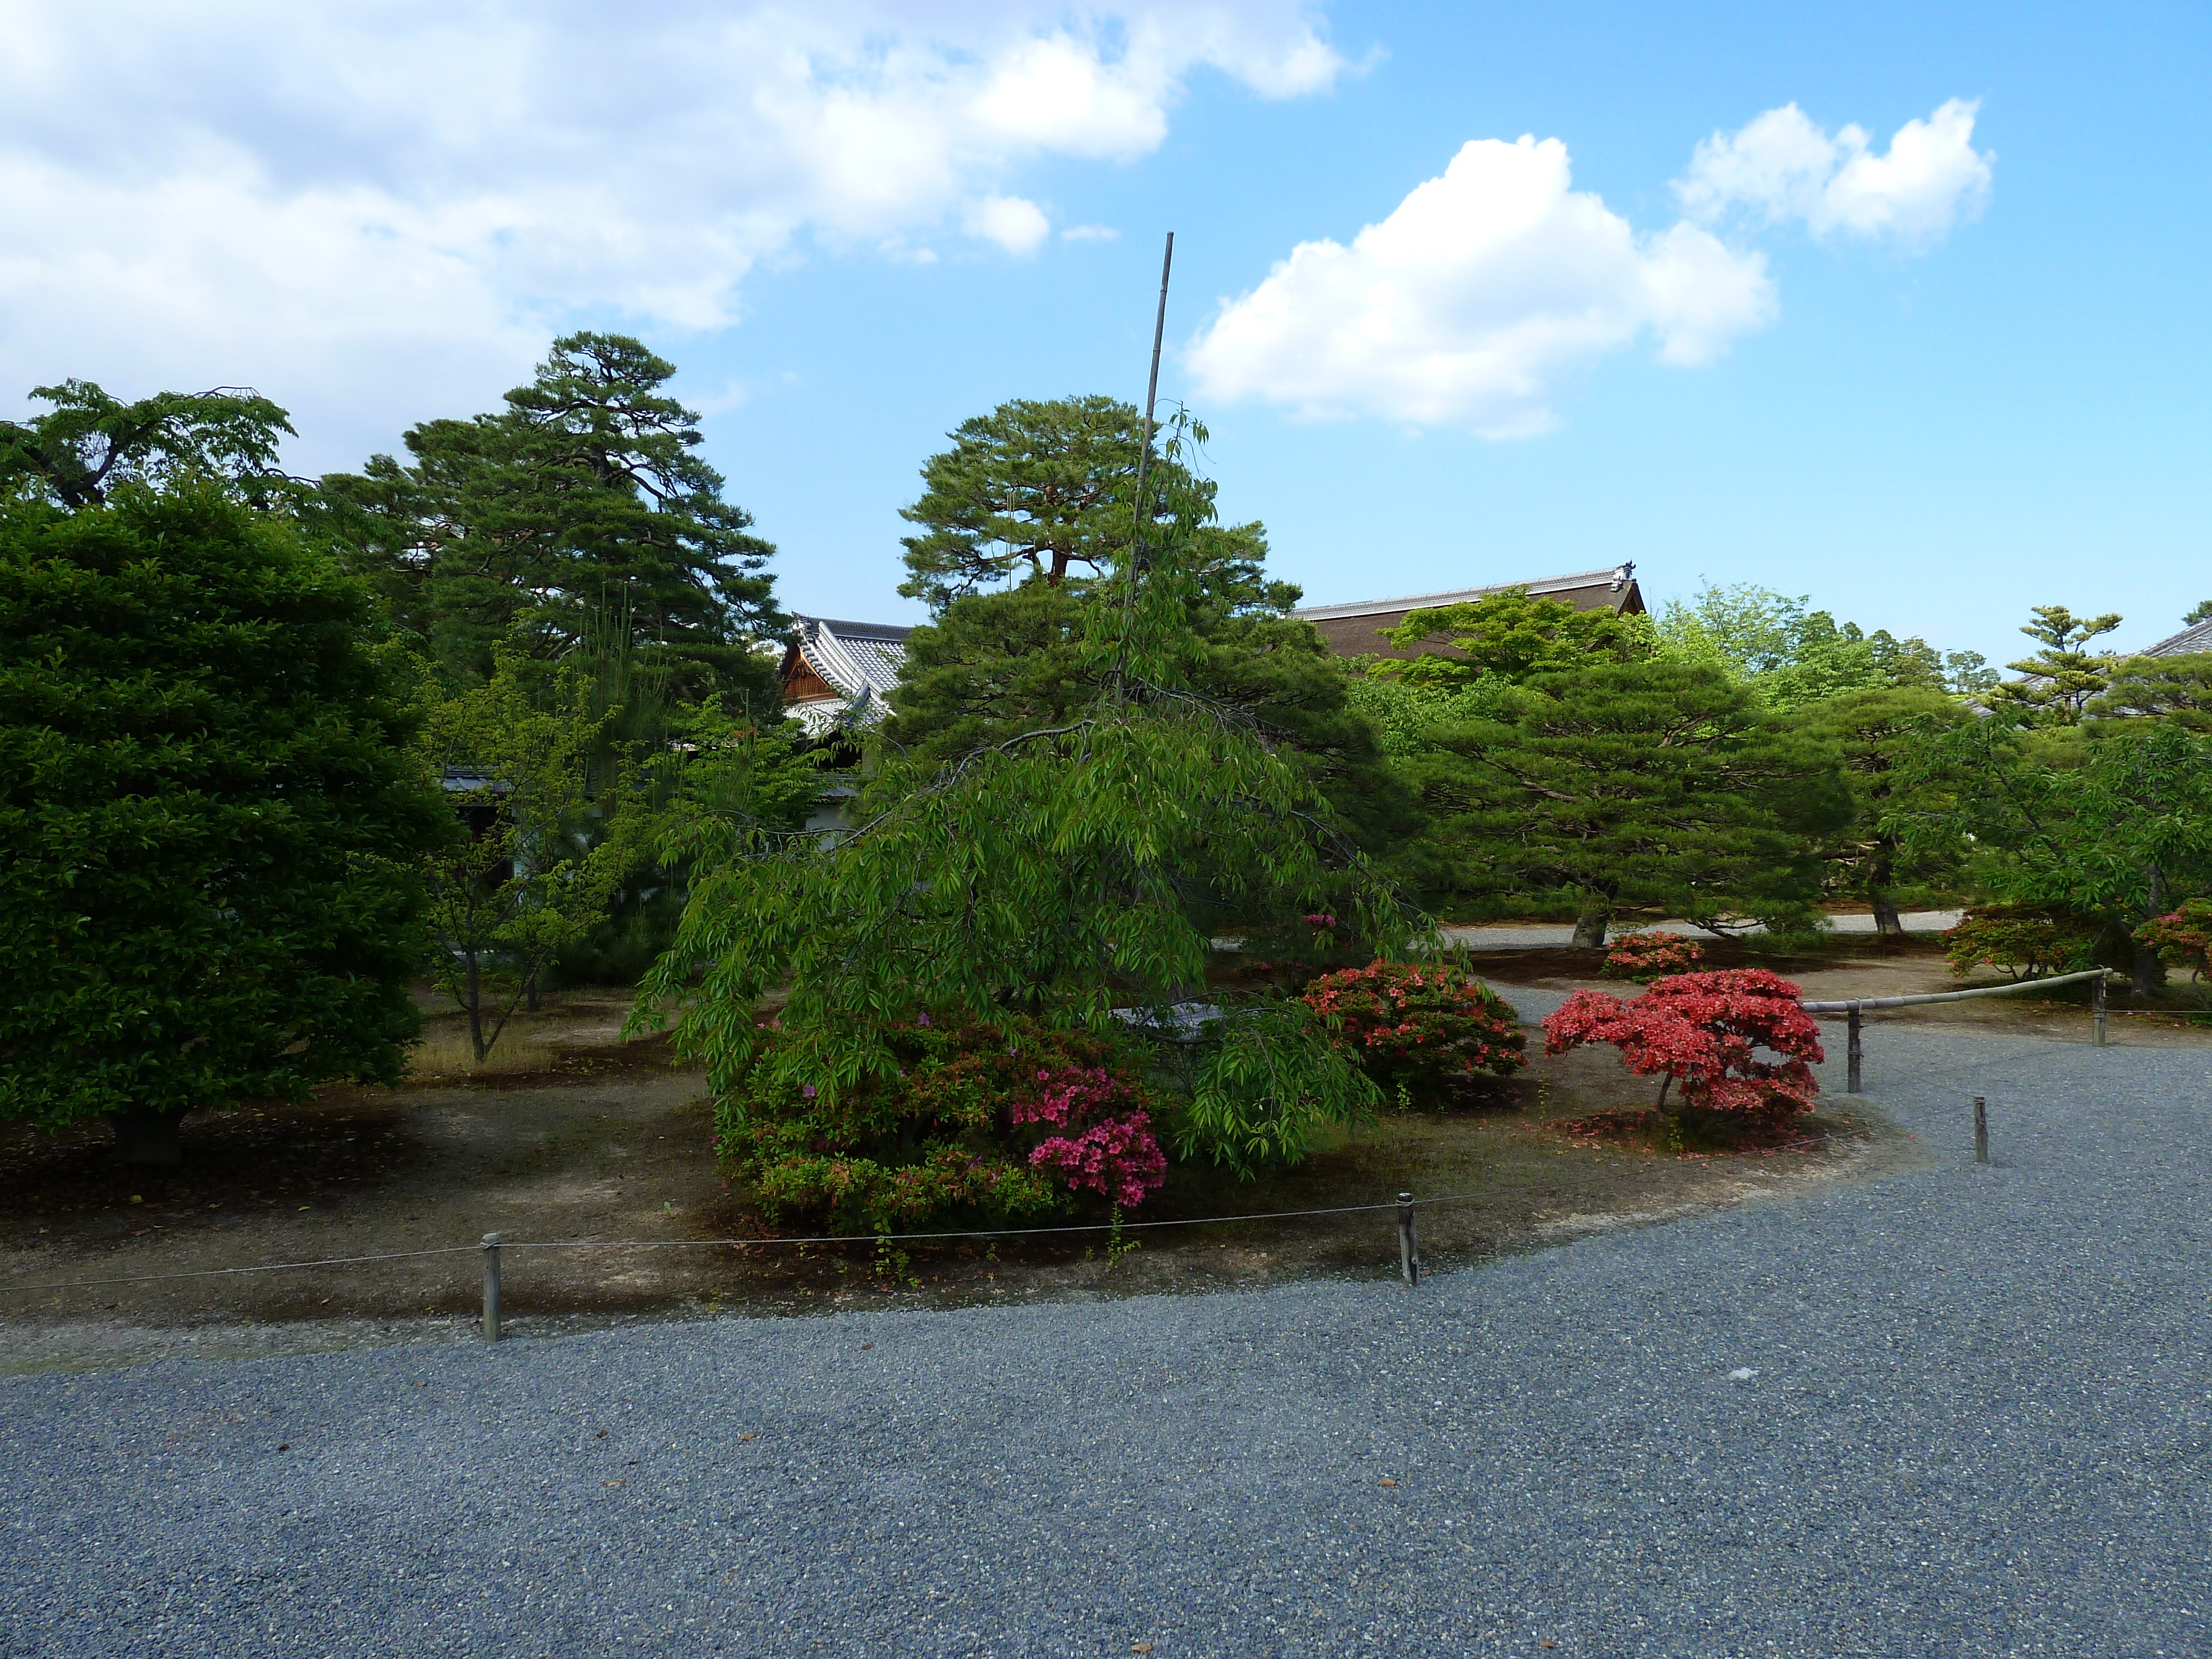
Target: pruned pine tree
x,y
1055,871
1875,732
580,509
1636,786
2058,682
1044,491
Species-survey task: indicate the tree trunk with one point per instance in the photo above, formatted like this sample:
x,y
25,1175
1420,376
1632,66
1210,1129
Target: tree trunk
x,y
530,994
475,1009
1590,926
2145,971
148,1139
1887,922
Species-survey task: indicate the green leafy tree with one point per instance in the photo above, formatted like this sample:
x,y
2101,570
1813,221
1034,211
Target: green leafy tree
x,y
208,818
536,857
2119,827
1046,875
1636,786
2200,612
1875,732
1790,657
2061,680
580,514
77,454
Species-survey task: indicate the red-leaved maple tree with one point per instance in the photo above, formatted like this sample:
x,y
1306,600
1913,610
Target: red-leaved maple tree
x,y
1705,1032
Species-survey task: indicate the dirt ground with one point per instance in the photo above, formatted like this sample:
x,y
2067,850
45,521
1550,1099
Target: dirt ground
x,y
569,1133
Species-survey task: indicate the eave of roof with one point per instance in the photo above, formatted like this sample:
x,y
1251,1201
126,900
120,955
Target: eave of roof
x,y
2187,643
1616,578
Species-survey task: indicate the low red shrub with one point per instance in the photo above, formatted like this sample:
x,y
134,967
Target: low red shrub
x,y
1705,1032
1647,956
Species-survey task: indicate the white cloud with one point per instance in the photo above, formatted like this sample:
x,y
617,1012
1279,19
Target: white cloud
x,y
1015,223
1090,234
375,214
1470,305
1783,166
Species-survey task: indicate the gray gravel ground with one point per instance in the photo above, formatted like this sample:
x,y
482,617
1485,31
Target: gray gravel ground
x,y
1962,1411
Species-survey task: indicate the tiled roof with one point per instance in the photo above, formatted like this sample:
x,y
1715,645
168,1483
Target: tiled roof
x,y
1617,579
2187,643
860,661
1355,629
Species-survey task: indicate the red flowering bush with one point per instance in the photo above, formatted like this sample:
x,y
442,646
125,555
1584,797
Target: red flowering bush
x,y
1001,1122
2026,940
1428,1021
1706,1031
1647,956
2183,938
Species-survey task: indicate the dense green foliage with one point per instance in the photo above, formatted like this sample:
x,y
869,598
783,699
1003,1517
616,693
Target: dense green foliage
x,y
1044,491
2026,940
1789,658
582,515
1633,787
207,814
2117,825
91,443
1053,874
1873,733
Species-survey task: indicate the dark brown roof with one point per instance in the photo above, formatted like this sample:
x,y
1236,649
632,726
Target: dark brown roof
x,y
1354,629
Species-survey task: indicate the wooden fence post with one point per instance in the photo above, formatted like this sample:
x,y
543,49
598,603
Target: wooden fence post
x,y
491,1287
2097,1005
1981,1131
1855,1055
1409,1261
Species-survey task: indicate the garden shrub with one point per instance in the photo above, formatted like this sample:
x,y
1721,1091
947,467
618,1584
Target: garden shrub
x,y
2183,938
1000,1121
1705,1032
1646,957
2026,940
1420,1025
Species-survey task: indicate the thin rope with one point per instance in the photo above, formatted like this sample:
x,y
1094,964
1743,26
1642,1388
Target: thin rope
x,y
264,1267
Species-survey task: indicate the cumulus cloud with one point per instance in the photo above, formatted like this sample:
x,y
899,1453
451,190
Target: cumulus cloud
x,y
1014,223
352,207
1783,167
1474,299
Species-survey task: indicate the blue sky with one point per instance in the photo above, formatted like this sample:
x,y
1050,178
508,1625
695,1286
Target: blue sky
x,y
1927,400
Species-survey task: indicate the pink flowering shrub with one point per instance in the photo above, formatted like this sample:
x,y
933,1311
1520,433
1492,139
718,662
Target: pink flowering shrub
x,y
1111,1150
1007,1123
2183,938
1647,956
1430,1023
1705,1032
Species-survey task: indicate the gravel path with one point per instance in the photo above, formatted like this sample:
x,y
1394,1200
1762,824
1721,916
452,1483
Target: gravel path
x,y
1961,1411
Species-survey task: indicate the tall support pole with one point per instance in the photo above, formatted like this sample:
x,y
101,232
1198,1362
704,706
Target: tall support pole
x,y
1981,1130
1145,453
491,1287
1855,1055
2097,1005
1409,1255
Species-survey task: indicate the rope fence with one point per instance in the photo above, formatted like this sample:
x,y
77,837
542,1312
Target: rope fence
x,y
493,1247
1853,1007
